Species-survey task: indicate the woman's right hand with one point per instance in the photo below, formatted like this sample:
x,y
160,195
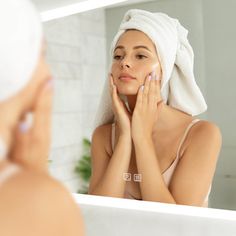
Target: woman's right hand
x,y
32,144
122,115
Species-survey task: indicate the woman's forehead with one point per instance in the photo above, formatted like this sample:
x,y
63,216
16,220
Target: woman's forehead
x,y
132,38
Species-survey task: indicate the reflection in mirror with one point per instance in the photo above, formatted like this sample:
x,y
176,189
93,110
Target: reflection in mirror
x,y
78,52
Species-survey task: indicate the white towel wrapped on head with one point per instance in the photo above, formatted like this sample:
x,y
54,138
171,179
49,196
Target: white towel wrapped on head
x,y
20,48
178,86
20,45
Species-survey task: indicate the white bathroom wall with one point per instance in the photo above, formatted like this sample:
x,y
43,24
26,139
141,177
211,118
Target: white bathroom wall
x,y
75,52
220,49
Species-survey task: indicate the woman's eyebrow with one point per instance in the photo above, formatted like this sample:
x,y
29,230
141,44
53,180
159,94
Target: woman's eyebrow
x,y
119,47
142,46
136,47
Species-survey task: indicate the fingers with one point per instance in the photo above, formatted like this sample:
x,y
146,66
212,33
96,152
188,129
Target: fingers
x,y
155,92
20,148
113,92
117,102
41,130
151,92
139,99
146,89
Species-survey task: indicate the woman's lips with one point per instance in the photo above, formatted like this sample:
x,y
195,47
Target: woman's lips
x,y
126,78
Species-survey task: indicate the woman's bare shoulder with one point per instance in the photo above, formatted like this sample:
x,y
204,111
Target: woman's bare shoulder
x,y
205,132
39,197
102,136
206,129
29,183
103,129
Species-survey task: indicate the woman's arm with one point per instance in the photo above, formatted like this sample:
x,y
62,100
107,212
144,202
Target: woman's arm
x,y
153,187
107,172
193,175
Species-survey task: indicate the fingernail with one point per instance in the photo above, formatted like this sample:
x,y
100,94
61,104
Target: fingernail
x,y
149,77
153,74
49,85
142,87
25,125
3,149
157,77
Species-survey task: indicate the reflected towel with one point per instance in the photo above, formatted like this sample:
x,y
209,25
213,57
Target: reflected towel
x,y
178,85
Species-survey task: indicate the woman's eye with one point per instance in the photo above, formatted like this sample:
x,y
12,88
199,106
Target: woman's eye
x,y
117,57
140,56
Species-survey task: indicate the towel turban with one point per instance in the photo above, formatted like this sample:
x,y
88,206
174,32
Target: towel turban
x,y
178,86
20,45
20,48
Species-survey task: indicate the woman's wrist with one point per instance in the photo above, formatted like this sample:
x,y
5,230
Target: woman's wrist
x,y
142,139
125,135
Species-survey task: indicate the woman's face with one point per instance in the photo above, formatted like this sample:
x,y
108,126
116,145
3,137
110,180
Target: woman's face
x,y
134,58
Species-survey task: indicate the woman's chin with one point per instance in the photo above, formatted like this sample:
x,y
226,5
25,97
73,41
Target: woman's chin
x,y
128,91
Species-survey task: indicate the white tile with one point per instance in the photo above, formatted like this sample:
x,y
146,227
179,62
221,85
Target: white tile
x,y
92,27
94,50
64,53
64,155
67,96
64,172
65,70
93,79
96,15
66,129
62,34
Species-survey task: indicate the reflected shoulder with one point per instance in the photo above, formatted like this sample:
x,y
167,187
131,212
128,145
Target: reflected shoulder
x,y
206,134
206,130
102,138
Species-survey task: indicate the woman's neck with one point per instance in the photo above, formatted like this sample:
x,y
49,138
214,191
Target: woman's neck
x,y
169,118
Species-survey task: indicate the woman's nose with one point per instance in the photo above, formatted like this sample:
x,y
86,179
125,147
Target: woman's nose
x,y
125,63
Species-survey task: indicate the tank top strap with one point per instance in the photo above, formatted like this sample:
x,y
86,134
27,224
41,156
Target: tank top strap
x,y
113,136
185,135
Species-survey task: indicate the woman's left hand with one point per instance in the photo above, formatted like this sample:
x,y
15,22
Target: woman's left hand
x,y
147,108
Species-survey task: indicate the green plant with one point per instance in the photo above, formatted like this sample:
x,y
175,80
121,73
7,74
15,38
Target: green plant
x,y
83,166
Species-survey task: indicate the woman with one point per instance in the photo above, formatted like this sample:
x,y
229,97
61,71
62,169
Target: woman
x,y
31,202
154,149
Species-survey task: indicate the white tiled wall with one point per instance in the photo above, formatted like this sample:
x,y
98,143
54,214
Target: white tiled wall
x,y
220,37
75,52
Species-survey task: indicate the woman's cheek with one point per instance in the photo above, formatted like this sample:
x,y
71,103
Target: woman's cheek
x,y
114,69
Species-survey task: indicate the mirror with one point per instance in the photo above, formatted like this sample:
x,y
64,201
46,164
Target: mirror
x,y
78,54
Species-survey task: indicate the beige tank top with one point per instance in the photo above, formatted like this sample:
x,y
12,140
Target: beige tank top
x,y
167,175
